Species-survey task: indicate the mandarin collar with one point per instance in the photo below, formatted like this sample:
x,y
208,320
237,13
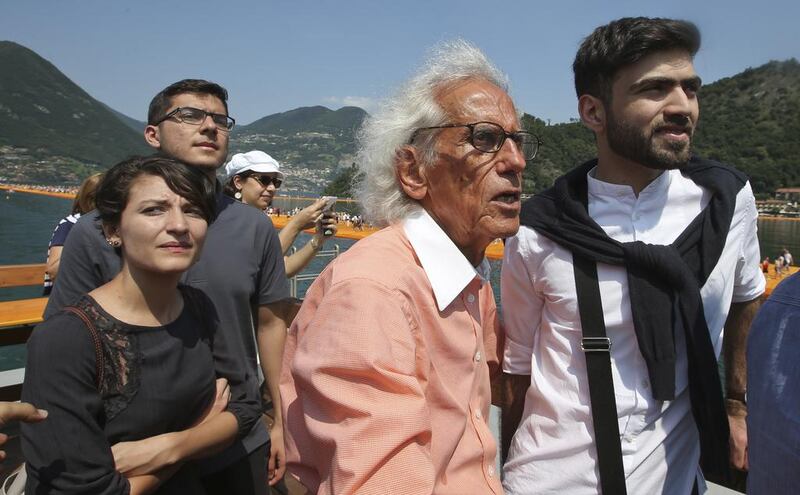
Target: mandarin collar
x,y
596,187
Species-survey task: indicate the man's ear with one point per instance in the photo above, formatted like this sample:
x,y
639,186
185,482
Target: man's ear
x,y
592,112
410,173
152,136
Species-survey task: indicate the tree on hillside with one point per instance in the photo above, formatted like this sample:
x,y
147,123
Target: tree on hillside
x,y
343,183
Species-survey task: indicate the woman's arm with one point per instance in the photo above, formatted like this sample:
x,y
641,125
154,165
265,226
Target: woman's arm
x,y
68,452
169,450
296,262
305,219
53,260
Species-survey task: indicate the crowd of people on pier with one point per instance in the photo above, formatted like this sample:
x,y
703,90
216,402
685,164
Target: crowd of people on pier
x,y
621,287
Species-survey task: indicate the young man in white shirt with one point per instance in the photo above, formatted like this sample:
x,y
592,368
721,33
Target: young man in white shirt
x,y
662,248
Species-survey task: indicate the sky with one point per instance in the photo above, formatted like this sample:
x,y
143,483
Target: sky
x,y
275,56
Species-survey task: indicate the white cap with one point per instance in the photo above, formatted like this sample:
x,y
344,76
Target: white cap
x,y
256,161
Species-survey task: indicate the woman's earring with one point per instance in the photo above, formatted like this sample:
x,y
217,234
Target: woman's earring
x,y
238,195
115,243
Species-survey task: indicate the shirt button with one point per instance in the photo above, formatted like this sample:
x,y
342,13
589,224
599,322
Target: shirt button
x,y
491,471
470,298
645,384
478,415
478,357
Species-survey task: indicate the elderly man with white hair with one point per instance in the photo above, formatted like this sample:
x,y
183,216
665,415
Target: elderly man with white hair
x,y
386,372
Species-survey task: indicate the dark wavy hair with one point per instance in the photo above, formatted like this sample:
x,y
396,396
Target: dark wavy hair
x,y
185,181
163,100
624,42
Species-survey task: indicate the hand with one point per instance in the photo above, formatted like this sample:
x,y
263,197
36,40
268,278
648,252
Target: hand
x,y
221,398
310,215
277,454
327,225
737,415
18,411
146,456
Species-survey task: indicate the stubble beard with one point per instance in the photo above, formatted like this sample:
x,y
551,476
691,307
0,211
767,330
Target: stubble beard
x,y
639,145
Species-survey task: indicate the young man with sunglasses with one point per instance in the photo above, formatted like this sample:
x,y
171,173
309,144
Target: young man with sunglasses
x,y
618,286
254,178
240,269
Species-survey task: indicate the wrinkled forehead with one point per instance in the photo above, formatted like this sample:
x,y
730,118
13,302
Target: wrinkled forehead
x,y
474,100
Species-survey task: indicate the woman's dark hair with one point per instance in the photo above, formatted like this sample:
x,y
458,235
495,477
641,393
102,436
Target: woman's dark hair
x,y
163,100
84,200
185,181
624,42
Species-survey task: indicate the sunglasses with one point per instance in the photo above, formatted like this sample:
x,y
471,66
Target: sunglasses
x,y
266,180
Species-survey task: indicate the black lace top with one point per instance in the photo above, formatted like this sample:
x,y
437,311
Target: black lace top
x,y
155,380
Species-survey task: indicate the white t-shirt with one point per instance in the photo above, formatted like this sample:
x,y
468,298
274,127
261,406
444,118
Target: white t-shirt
x,y
553,449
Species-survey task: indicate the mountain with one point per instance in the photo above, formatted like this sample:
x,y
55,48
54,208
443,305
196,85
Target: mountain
x,y
137,125
312,143
752,121
47,119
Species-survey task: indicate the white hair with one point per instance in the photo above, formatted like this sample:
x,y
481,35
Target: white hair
x,y
413,106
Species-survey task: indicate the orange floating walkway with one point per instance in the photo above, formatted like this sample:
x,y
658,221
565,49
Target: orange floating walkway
x,y
494,251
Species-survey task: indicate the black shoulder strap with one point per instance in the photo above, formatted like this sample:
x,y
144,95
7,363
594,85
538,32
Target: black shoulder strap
x,y
596,347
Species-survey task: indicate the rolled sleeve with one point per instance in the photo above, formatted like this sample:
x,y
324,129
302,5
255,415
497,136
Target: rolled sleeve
x,y
749,281
244,402
355,410
273,286
522,305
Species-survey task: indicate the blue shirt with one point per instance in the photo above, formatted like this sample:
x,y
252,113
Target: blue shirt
x,y
773,393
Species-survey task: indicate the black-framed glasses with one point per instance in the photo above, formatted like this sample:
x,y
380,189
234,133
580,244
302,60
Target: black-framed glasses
x,y
196,116
489,137
266,180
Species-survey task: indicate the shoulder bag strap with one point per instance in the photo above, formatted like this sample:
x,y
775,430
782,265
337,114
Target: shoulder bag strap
x,y
98,349
596,346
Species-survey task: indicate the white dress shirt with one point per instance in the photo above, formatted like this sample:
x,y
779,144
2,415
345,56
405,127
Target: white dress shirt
x,y
553,449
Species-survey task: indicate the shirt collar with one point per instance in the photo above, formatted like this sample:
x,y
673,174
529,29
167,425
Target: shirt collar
x,y
597,187
447,269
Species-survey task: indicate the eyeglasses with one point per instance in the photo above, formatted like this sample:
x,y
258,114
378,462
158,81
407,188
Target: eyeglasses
x,y
489,137
195,116
266,180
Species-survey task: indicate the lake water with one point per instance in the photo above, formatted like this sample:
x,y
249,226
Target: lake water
x,y
27,221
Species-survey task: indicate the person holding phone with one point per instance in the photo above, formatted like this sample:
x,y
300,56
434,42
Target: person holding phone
x,y
254,178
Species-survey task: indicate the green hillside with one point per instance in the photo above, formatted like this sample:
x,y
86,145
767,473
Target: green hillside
x,y
752,120
342,122
47,117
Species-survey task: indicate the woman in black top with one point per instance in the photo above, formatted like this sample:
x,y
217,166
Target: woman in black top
x,y
132,420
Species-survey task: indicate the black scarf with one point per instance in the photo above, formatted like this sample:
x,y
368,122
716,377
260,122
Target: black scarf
x,y
664,285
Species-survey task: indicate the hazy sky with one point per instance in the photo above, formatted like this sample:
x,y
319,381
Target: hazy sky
x,y
274,56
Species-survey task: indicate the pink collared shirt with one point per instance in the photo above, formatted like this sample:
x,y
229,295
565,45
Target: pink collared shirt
x,y
382,391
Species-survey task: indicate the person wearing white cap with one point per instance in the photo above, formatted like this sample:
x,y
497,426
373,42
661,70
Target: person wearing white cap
x,y
253,178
